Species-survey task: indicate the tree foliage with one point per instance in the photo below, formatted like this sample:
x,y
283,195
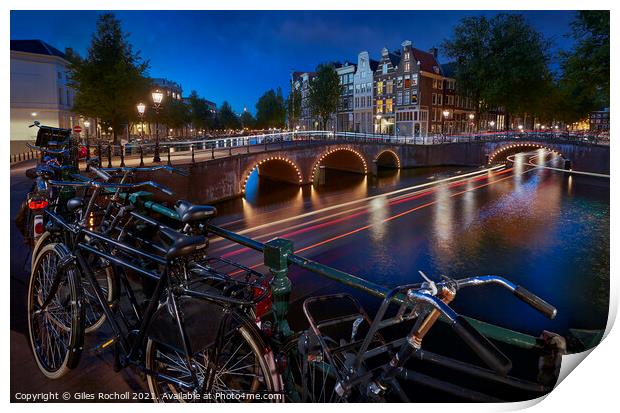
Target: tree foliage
x,y
324,94
111,79
586,69
501,62
247,120
200,115
270,110
227,117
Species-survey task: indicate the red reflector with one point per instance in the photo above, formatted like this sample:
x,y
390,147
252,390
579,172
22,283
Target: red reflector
x,y
263,306
37,203
38,228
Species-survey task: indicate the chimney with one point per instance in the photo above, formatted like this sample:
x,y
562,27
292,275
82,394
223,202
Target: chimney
x,y
434,51
68,51
406,43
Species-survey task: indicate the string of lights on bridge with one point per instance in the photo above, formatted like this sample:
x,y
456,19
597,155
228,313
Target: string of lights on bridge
x,y
272,158
331,151
521,145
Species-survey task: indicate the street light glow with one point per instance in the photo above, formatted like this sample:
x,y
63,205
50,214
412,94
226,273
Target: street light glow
x,y
446,113
158,96
142,107
87,123
471,116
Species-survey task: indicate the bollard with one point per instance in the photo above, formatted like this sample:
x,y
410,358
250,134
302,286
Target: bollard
x,y
141,157
193,159
248,144
99,154
109,156
169,163
230,150
275,257
122,156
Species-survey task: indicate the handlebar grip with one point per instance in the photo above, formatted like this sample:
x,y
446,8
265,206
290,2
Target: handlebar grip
x,y
101,174
486,350
536,302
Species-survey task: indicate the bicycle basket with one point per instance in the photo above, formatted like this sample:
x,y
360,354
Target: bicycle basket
x,y
52,136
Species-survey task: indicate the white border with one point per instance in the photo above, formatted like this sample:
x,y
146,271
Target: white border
x,y
593,387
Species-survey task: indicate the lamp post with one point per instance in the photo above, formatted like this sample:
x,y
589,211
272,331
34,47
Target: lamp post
x,y
446,113
141,109
157,96
378,117
492,124
87,127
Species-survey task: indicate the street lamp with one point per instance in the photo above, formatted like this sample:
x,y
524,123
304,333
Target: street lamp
x,y
141,109
446,113
87,126
471,117
157,96
492,123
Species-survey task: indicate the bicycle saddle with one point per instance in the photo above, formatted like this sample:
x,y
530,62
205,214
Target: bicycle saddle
x,y
180,244
189,212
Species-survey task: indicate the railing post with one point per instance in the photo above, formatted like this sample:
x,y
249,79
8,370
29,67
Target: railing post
x,y
87,156
213,151
193,159
109,156
247,141
122,156
141,157
169,162
230,149
99,154
276,253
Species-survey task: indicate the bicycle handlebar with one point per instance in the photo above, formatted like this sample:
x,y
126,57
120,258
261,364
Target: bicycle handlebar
x,y
147,169
526,296
98,184
52,151
489,354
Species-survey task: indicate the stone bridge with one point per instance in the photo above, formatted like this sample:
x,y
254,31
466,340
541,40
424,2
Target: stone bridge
x,y
304,162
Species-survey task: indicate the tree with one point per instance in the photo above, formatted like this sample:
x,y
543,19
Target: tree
x,y
324,94
470,48
199,111
111,79
586,69
501,62
247,120
227,118
175,114
270,110
293,107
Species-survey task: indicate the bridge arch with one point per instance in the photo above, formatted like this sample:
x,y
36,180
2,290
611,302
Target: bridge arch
x,y
388,159
341,158
277,168
496,155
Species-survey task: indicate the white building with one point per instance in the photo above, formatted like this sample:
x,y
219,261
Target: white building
x,y
362,94
39,89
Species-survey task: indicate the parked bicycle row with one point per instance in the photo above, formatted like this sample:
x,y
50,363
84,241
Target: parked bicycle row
x,y
107,256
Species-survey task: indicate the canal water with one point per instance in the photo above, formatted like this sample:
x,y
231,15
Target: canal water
x,y
539,228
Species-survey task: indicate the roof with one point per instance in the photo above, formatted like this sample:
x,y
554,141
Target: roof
x,y
36,47
394,58
449,69
374,64
426,59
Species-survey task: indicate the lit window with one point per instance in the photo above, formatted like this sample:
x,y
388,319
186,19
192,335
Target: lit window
x,y
384,68
379,106
388,105
379,88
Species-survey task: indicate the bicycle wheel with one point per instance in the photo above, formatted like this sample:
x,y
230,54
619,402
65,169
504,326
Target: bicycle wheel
x,y
310,378
56,332
94,317
243,371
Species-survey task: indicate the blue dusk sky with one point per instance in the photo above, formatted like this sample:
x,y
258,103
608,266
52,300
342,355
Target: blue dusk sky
x,y
237,55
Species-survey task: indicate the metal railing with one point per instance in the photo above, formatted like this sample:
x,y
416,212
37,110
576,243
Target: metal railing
x,y
191,151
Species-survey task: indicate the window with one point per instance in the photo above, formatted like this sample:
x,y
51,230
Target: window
x,y
407,82
399,82
440,84
379,106
399,98
434,99
59,96
68,98
384,68
407,97
368,102
407,56
414,98
390,87
380,88
388,105
434,83
407,67
440,100
450,100
59,75
414,79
